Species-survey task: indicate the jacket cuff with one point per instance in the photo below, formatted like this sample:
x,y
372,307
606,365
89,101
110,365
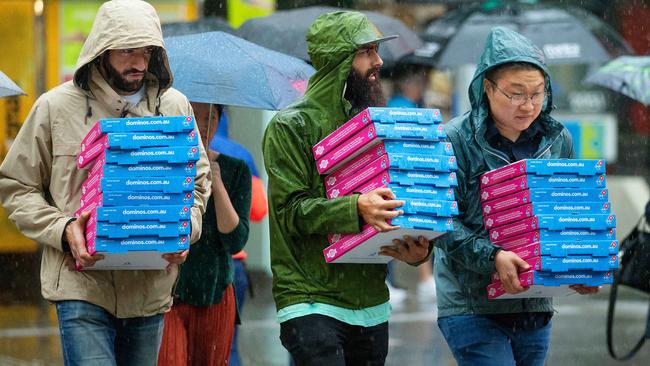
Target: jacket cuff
x,y
58,233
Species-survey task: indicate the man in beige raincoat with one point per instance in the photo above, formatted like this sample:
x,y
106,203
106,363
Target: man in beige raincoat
x,y
105,317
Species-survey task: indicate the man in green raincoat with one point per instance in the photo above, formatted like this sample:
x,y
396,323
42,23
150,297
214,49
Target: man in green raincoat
x,y
330,314
510,120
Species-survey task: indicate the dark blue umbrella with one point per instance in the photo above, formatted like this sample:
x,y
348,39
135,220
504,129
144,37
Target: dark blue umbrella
x,y
8,87
220,68
628,75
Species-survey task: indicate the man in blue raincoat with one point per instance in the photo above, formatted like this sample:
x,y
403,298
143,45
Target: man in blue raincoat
x,y
510,120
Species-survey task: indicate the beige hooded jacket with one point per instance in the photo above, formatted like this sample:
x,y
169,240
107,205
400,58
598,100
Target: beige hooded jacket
x,y
40,184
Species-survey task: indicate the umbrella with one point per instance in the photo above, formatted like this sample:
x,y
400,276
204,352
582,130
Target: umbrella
x,y
286,30
566,35
220,68
8,87
208,24
628,75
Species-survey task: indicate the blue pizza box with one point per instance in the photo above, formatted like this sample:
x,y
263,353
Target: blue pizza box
x,y
142,124
140,228
553,222
569,235
423,222
423,177
544,195
524,182
125,198
169,154
418,191
543,167
595,248
437,163
544,208
418,147
136,140
149,170
579,262
414,206
172,184
145,243
162,213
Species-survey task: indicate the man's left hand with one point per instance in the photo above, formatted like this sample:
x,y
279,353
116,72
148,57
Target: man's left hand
x,y
408,250
585,290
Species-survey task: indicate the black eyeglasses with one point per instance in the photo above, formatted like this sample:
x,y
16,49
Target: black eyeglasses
x,y
520,99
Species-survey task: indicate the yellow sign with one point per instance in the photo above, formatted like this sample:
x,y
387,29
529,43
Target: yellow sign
x,y
240,11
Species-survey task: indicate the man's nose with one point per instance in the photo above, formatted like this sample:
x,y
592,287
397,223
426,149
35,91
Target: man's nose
x,y
139,61
528,104
377,62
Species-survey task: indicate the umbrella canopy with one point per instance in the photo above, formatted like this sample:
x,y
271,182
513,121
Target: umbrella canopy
x,y
628,75
8,87
285,31
208,24
220,68
566,35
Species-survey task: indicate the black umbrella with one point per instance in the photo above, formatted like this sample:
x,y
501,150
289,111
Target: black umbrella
x,y
566,35
203,25
285,31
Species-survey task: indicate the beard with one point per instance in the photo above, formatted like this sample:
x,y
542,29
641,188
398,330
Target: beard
x,y
117,80
362,92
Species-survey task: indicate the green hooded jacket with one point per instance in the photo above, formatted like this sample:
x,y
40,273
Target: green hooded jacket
x,y
300,217
462,266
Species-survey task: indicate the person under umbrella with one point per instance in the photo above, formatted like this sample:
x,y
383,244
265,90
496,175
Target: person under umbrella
x,y
199,328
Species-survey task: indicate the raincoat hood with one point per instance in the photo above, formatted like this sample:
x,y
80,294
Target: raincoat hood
x,y
503,46
122,24
332,41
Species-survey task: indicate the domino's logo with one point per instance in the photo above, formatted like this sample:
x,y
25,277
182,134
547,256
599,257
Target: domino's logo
x,y
319,150
331,254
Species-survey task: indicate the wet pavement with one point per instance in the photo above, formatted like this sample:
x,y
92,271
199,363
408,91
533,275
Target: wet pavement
x,y
29,333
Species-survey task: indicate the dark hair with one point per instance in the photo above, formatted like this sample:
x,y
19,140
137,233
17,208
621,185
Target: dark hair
x,y
495,72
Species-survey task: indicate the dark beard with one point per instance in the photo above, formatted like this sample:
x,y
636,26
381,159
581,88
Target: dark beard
x,y
116,80
363,93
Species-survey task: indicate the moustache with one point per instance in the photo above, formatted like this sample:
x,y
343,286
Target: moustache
x,y
134,71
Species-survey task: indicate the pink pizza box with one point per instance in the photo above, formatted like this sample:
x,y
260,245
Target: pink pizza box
x,y
364,246
506,217
507,202
92,136
351,182
372,135
543,167
91,182
88,154
351,167
89,203
373,115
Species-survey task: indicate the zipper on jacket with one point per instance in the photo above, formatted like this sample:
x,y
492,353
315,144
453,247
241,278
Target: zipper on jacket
x,y
547,148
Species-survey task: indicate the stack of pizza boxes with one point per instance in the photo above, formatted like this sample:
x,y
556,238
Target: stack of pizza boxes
x,y
399,148
554,214
139,190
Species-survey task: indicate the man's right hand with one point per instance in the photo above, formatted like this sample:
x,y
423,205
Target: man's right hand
x,y
375,207
75,234
508,266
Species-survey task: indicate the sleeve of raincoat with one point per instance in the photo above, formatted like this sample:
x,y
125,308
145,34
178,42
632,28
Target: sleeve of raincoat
x,y
240,197
300,209
468,247
202,186
25,177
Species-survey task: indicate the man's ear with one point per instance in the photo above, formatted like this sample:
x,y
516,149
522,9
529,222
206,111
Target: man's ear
x,y
487,85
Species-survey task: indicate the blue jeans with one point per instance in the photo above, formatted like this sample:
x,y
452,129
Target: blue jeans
x,y
478,340
91,336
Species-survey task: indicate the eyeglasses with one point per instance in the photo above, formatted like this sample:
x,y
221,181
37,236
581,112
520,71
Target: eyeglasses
x,y
520,99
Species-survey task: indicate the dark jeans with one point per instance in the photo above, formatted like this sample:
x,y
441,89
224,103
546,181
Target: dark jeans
x,y
91,336
320,340
479,340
